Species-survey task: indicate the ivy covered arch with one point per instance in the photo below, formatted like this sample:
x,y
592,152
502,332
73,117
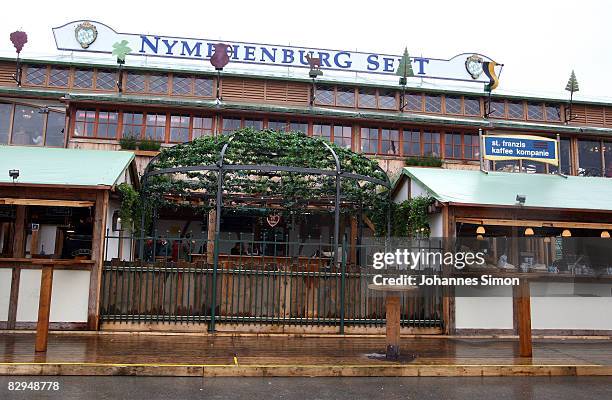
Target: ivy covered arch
x,y
264,170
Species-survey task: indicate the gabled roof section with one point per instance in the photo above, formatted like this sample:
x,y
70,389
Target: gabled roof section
x,y
63,167
499,189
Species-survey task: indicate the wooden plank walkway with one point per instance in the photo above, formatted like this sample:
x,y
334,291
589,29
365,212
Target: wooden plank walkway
x,y
283,355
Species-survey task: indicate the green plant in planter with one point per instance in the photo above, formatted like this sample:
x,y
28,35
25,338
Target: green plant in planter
x,y
149,145
425,161
128,142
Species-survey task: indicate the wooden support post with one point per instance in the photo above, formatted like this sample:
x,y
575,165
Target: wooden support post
x,y
44,308
524,319
353,253
97,255
18,252
392,305
34,243
20,233
210,244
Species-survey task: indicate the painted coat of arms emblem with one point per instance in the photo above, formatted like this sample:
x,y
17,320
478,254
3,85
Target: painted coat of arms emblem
x,y
86,33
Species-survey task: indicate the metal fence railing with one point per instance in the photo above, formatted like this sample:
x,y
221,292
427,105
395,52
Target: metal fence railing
x,y
179,280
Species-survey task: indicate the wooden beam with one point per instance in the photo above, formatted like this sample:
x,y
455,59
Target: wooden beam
x,y
210,244
45,202
97,255
392,307
524,319
369,223
13,298
353,253
44,308
20,232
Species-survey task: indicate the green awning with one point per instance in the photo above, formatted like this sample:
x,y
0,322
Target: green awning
x,y
500,188
52,166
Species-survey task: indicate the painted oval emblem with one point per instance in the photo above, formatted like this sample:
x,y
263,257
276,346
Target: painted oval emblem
x,y
86,33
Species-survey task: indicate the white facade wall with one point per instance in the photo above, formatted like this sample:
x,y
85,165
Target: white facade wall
x,y
69,296
573,307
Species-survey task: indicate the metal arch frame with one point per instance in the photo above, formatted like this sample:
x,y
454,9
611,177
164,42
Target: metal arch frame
x,y
220,168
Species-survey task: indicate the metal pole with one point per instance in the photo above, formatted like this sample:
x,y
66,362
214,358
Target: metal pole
x,y
342,285
481,150
558,145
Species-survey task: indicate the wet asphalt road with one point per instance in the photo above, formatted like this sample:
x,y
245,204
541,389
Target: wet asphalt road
x,y
120,387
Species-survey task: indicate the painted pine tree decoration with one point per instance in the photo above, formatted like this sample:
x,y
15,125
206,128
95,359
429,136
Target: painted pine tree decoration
x,y
572,83
404,70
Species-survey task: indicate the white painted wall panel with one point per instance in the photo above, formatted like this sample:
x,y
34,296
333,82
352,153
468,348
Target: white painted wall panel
x,y
5,292
69,296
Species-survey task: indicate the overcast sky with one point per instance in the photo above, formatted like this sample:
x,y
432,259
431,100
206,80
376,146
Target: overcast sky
x,y
539,41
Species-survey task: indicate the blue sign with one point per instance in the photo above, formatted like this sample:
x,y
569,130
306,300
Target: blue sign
x,y
521,147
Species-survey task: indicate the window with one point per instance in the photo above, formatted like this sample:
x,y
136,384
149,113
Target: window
x,y
280,126
345,96
322,130
507,166
135,82
553,112
516,110
389,141
133,124
298,127
28,126
607,149
179,128
36,75
412,143
325,95
54,135
453,105
589,158
107,124
6,114
472,106
230,125
533,167
155,128
414,102
83,78
202,126
565,158
203,87
387,99
85,123
104,126
256,124
433,104
181,84
369,140
452,145
106,80
343,136
498,109
471,147
158,84
535,111
58,77
367,98
431,143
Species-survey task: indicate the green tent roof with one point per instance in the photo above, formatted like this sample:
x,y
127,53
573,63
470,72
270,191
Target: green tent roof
x,y
501,188
51,166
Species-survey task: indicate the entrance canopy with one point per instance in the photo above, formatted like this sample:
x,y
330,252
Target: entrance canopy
x,y
500,189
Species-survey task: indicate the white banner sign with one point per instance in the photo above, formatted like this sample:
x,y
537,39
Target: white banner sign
x,y
92,36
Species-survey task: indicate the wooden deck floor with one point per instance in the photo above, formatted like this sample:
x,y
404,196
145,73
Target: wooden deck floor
x,y
291,350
